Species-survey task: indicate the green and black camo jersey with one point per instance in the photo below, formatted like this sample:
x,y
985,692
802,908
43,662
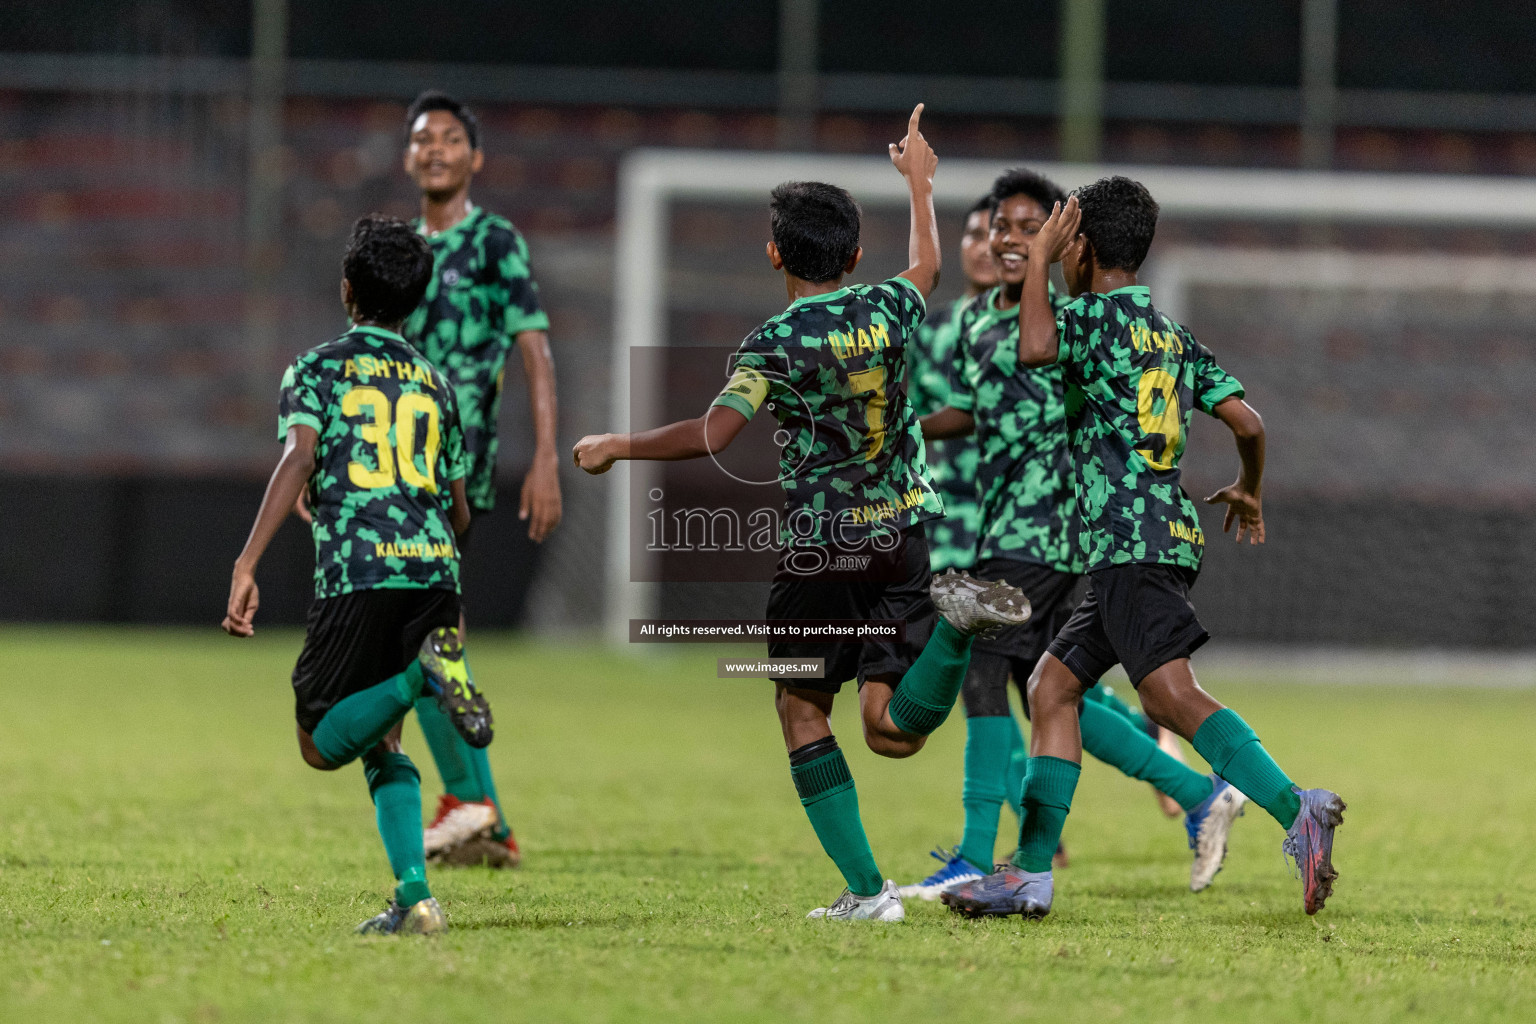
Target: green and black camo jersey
x,y
833,371
1028,511
390,443
481,296
951,463
1133,379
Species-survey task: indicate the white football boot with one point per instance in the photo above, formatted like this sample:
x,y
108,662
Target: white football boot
x,y
457,822
1208,826
884,905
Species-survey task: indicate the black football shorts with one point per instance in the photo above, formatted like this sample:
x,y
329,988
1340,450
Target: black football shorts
x,y
1138,616
358,640
1012,653
892,584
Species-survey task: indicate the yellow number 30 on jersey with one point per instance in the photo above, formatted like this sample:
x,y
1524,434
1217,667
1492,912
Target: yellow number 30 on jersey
x,y
376,432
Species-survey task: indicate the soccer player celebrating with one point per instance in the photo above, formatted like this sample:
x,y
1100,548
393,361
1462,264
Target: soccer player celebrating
x,y
1029,537
372,430
832,368
952,463
481,298
1133,377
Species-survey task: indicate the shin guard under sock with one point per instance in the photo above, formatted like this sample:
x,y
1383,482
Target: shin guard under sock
x,y
357,723
1115,741
926,694
395,785
1236,754
1049,783
986,785
827,793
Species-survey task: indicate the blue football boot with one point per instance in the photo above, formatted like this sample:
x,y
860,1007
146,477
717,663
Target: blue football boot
x,y
1208,826
954,870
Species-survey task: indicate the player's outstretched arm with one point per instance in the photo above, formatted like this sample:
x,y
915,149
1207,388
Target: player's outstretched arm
x,y
288,480
540,502
916,161
1243,499
1039,344
685,439
946,423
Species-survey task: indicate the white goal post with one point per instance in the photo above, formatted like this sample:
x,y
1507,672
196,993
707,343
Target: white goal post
x,y
650,180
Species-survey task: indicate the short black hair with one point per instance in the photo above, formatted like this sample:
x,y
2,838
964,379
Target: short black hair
x,y
1020,181
432,99
816,227
982,205
389,266
1119,218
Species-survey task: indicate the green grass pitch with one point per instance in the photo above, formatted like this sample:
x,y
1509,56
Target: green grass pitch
x,y
166,856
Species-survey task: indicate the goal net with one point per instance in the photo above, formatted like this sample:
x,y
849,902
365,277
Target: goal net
x,y
1383,325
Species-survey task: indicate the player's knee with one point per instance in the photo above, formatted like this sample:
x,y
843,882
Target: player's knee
x,y
312,755
895,747
314,760
1052,683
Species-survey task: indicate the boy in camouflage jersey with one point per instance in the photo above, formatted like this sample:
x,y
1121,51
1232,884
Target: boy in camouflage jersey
x,y
832,369
1029,538
1133,380
481,299
952,463
371,430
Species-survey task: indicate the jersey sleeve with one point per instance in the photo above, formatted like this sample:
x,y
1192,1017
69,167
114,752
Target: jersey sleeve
x,y
961,369
1074,331
455,462
521,310
300,402
903,302
1212,385
749,384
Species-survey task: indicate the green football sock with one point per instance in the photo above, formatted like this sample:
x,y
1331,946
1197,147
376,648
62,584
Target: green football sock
x,y
1049,783
1115,741
826,792
986,785
355,724
395,785
1018,759
1236,754
449,752
926,694
1102,694
481,761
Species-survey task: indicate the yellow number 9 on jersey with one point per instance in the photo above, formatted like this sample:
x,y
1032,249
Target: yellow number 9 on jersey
x,y
1158,386
376,433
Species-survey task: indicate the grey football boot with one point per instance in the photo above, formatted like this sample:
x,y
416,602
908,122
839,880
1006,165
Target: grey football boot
x,y
978,607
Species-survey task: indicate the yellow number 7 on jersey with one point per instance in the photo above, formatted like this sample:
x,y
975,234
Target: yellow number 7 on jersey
x,y
376,433
871,382
1157,383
